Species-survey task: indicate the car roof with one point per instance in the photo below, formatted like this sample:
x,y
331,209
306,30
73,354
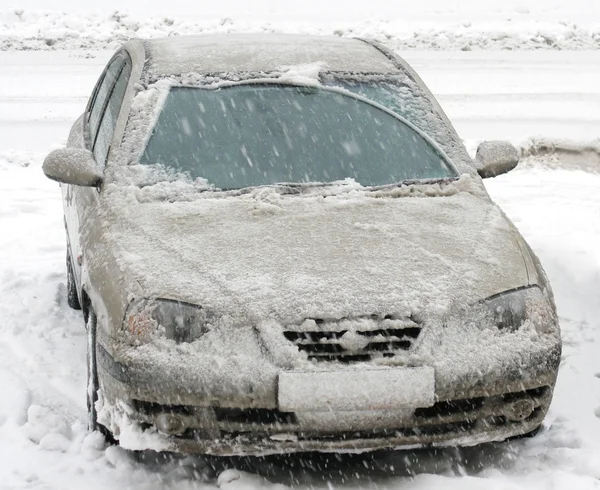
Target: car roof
x,y
226,53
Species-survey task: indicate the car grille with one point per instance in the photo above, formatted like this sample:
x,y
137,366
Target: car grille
x,y
324,343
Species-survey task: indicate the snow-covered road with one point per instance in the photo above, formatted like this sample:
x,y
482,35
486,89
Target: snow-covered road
x,y
516,95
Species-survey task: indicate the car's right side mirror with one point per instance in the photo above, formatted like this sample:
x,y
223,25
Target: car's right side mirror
x,y
75,166
494,158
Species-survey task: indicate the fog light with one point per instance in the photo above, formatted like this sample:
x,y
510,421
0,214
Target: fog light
x,y
519,409
170,424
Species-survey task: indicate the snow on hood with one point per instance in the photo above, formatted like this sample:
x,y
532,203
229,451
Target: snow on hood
x,y
289,257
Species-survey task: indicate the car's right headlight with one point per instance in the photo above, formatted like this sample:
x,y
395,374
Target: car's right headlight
x,y
176,320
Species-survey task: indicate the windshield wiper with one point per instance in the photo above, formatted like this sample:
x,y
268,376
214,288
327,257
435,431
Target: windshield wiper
x,y
299,187
439,180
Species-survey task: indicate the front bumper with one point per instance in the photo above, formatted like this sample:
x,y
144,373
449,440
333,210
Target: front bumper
x,y
228,432
475,402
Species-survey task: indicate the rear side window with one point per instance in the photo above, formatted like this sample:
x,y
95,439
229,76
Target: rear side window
x,y
111,113
101,95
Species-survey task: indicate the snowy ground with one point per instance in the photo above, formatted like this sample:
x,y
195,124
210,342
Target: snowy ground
x,y
43,440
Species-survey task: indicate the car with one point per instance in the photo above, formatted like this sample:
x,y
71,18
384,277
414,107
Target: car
x,y
280,244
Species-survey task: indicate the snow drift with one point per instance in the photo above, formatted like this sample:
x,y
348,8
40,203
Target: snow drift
x,y
49,30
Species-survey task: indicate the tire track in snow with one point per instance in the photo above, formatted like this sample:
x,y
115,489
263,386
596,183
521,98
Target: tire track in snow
x,y
38,332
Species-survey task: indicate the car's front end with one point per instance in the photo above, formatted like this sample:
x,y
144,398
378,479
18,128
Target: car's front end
x,y
273,322
481,374
301,267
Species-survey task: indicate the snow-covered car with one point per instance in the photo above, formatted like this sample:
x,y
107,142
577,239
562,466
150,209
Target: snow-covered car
x,y
280,244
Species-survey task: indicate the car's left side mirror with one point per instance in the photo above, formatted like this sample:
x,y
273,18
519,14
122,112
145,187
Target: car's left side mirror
x,y
75,166
494,158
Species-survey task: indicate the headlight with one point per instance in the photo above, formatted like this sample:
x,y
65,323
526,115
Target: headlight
x,y
150,318
510,310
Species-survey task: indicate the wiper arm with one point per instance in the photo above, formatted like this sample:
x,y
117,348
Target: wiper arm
x,y
286,188
298,187
439,180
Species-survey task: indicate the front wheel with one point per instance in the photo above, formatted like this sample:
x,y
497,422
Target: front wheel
x,y
92,372
92,380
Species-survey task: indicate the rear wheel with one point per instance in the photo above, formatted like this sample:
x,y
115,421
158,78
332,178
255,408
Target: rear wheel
x,y
72,297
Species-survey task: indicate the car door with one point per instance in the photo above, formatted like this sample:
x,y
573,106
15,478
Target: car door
x,y
98,127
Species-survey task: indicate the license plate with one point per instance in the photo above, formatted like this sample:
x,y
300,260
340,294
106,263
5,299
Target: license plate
x,y
375,389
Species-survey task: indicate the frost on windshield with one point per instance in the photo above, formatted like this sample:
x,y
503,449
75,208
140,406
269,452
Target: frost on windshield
x,y
262,134
232,130
402,95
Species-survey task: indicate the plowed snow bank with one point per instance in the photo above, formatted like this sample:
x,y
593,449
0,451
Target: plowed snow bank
x,y
50,30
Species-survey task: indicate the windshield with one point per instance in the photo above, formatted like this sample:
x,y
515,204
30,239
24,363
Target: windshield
x,y
252,135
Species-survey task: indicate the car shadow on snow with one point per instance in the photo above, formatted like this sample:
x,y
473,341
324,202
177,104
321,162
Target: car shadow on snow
x,y
340,469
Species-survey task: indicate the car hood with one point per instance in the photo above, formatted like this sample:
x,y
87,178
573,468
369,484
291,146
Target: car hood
x,y
267,255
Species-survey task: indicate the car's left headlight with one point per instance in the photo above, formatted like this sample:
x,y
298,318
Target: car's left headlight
x,y
510,310
166,318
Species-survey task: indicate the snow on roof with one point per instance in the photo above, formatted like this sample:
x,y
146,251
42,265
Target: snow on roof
x,y
260,52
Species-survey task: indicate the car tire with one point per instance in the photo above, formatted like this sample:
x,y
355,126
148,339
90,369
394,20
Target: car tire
x,y
92,372
92,379
72,297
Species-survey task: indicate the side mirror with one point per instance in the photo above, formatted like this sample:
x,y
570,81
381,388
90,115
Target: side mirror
x,y
494,158
75,166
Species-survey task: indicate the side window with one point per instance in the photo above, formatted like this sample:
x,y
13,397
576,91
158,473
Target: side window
x,y
111,113
100,96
